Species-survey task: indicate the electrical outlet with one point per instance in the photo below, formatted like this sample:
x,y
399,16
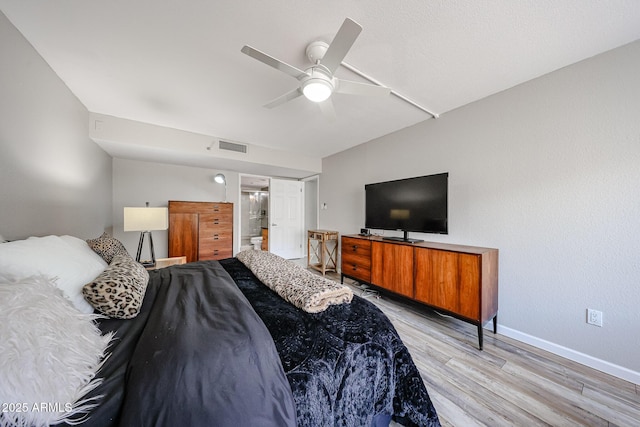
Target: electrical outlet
x,y
594,317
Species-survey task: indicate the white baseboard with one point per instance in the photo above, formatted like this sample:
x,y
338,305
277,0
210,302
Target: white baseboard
x,y
576,356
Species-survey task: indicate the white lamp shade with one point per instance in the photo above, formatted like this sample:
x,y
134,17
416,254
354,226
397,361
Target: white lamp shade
x,y
146,219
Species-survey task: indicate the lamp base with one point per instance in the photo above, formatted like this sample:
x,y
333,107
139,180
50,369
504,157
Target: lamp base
x,y
147,263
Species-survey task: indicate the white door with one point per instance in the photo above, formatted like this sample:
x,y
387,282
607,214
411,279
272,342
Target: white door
x,y
286,218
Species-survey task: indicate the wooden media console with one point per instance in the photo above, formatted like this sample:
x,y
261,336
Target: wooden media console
x,y
459,280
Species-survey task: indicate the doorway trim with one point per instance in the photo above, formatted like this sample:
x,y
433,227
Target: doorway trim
x,y
311,205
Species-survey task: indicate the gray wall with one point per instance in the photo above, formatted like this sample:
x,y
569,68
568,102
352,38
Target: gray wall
x,y
136,182
53,178
549,173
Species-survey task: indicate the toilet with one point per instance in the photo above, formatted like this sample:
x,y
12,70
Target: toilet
x,y
257,242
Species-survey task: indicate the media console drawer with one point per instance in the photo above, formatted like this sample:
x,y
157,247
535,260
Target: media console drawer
x,y
356,246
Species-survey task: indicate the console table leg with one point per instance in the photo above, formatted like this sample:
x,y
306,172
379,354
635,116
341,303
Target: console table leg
x,y
480,336
495,324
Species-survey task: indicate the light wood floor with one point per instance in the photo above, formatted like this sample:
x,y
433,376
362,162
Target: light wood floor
x,y
509,383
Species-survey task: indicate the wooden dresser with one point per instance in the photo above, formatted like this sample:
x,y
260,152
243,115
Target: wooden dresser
x,y
459,280
200,230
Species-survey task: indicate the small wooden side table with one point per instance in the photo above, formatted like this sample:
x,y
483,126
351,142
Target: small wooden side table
x,y
322,250
166,262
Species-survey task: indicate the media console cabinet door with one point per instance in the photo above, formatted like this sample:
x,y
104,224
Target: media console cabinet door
x,y
449,280
392,267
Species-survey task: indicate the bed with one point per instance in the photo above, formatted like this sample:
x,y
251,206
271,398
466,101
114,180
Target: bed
x,y
211,344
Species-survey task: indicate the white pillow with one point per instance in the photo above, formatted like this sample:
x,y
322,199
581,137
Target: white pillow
x,y
83,247
53,257
50,354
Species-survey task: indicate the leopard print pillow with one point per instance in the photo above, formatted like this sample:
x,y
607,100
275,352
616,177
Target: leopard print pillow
x,y
119,290
107,247
295,284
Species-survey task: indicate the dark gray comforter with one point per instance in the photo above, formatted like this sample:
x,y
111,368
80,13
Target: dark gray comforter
x,y
196,355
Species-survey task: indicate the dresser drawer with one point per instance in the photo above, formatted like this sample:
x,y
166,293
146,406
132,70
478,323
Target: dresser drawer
x,y
217,253
222,207
210,246
216,220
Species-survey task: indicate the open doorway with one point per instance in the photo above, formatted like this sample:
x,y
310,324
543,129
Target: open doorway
x,y
255,200
254,212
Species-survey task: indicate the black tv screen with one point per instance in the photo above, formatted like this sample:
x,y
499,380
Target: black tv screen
x,y
414,204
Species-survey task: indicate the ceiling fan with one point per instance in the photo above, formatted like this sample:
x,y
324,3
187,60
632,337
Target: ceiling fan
x,y
317,83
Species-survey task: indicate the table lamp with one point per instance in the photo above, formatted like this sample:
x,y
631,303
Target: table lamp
x,y
145,220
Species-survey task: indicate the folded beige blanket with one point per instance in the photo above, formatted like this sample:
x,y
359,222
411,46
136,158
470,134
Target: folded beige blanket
x,y
295,284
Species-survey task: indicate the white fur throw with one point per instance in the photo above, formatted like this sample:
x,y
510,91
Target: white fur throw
x,y
49,355
294,283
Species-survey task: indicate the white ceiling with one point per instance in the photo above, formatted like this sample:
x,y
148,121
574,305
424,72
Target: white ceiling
x,y
178,64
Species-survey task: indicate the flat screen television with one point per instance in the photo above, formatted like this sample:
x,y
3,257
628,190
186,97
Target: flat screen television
x,y
414,204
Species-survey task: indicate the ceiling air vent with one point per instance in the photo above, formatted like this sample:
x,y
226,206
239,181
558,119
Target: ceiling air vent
x,y
232,146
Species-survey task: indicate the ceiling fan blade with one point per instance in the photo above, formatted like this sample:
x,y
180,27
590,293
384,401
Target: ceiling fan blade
x,y
357,88
273,62
327,109
284,98
341,44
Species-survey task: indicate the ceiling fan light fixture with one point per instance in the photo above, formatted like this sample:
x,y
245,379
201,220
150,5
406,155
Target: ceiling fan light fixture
x,y
316,89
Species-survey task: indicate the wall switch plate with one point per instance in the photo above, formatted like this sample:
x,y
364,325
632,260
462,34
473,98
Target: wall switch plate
x,y
594,317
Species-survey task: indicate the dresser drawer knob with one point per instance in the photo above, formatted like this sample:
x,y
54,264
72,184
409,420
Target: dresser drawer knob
x,y
355,247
